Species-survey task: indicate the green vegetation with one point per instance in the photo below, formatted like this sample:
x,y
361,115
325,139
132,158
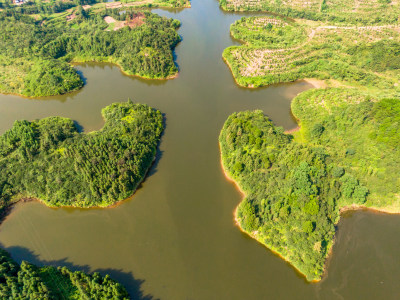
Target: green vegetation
x,y
346,152
332,11
274,33
35,54
49,160
296,185
27,281
283,51
368,128
44,7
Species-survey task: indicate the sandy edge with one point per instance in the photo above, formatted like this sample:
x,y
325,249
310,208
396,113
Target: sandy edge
x,y
353,207
316,83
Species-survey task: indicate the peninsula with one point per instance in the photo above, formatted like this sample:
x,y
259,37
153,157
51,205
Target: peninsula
x,y
37,49
296,185
345,154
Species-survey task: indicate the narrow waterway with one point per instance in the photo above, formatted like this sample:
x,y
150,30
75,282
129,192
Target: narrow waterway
x,y
176,238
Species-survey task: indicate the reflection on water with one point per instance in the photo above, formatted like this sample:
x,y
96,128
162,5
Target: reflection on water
x,y
176,239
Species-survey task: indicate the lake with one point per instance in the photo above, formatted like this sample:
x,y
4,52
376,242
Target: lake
x,y
176,237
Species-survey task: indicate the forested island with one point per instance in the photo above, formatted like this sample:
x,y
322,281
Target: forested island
x,y
38,47
50,160
27,281
346,153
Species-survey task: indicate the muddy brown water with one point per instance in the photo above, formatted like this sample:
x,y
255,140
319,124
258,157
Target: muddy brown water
x,y
175,238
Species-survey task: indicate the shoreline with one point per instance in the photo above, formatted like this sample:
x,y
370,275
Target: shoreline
x,y
358,207
342,210
252,235
39,97
81,62
78,62
233,75
316,83
290,131
6,211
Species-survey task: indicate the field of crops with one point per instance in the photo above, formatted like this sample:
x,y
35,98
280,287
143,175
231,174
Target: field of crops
x,y
313,5
279,51
351,11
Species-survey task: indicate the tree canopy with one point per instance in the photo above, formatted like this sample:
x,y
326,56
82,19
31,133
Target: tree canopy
x,y
35,55
27,281
50,160
296,185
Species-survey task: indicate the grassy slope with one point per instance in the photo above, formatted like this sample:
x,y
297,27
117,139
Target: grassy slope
x,y
349,114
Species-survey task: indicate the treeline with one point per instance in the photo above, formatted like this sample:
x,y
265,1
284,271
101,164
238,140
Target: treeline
x,y
339,12
27,281
294,190
40,52
49,160
56,6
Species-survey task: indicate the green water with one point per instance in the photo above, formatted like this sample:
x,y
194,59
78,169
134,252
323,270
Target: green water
x,y
176,238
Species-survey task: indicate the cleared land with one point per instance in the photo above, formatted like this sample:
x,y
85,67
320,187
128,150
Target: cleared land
x,y
132,21
334,11
362,56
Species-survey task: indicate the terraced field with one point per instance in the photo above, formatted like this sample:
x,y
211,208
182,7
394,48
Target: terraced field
x,y
352,11
313,5
283,51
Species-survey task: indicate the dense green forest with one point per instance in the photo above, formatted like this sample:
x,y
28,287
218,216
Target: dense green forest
x,y
296,185
35,55
27,281
332,11
278,50
49,160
